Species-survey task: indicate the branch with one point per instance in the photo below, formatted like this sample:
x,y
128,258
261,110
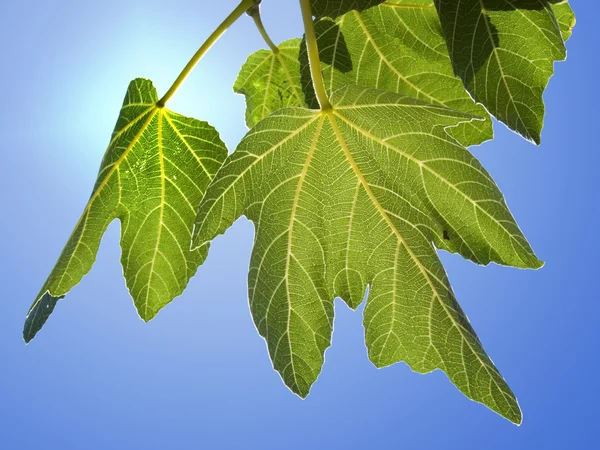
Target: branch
x,y
244,6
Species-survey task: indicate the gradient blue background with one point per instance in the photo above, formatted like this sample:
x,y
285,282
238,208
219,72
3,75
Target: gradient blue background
x,y
199,375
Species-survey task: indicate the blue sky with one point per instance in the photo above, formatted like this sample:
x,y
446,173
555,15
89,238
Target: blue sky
x,y
199,375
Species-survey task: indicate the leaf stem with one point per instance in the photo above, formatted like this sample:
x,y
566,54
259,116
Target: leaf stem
x,y
313,56
212,39
254,12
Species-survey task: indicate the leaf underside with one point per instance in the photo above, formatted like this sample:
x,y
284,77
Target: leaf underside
x,y
565,17
398,47
153,176
271,81
504,52
357,197
479,67
336,8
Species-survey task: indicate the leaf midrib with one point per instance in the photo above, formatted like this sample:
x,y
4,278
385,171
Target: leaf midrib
x,y
298,191
161,213
500,67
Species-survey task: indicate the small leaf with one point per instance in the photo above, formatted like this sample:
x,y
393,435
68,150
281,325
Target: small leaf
x,y
270,81
398,47
152,177
354,197
504,51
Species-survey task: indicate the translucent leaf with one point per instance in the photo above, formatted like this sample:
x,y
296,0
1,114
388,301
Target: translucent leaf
x,y
398,47
155,171
335,8
270,81
504,51
355,197
565,17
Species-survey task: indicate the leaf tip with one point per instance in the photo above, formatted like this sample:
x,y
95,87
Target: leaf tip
x,y
516,416
539,264
532,135
519,421
302,393
531,262
145,314
27,338
38,315
300,389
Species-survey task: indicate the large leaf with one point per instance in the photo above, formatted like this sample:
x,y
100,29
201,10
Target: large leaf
x,y
504,51
353,198
335,8
152,177
398,47
270,81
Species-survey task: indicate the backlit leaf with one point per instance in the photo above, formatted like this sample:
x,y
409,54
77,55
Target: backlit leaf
x,y
152,177
565,17
357,197
398,47
504,51
335,8
270,81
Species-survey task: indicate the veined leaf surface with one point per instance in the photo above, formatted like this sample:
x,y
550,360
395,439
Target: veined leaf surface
x,y
270,81
155,171
399,47
565,17
504,51
355,197
335,8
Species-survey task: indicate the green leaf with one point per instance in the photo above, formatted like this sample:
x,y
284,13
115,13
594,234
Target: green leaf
x,y
270,81
504,51
565,17
335,8
398,47
154,174
356,197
